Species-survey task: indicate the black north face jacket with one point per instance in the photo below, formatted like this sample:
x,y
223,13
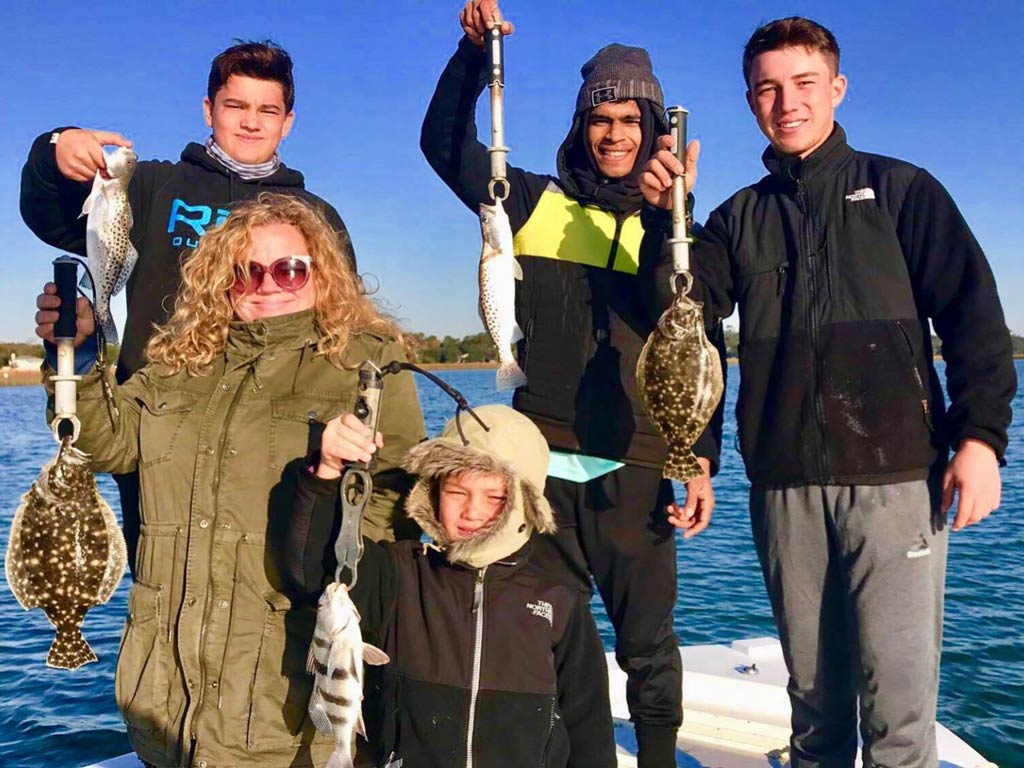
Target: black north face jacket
x,y
837,263
504,660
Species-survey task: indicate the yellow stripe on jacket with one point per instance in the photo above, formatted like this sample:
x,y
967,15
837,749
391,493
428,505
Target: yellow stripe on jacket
x,y
562,229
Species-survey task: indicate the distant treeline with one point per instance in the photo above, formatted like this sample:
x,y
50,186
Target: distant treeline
x,y
476,348
36,350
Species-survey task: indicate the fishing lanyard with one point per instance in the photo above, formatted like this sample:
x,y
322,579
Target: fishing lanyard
x,y
356,481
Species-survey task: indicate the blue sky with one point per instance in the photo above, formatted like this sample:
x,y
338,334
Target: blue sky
x,y
931,82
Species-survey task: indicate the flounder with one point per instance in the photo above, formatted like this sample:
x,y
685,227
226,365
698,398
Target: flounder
x,y
679,377
66,552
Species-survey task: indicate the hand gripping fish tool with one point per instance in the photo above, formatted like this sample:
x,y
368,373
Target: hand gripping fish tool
x,y
680,240
65,423
497,188
356,481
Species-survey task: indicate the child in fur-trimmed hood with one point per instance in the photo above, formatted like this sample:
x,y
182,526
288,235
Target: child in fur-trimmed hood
x,y
487,651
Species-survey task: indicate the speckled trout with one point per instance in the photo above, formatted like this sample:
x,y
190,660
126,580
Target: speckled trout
x,y
66,552
499,271
108,229
679,377
336,657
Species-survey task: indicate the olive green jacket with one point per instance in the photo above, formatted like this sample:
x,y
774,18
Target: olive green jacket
x,y
211,667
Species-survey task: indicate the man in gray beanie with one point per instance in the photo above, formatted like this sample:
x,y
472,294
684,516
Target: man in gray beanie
x,y
585,319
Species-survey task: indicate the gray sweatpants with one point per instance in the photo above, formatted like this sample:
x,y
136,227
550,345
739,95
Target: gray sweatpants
x,y
856,577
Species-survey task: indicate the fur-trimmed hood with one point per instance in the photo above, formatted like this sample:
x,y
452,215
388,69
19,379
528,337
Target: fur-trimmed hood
x,y
511,446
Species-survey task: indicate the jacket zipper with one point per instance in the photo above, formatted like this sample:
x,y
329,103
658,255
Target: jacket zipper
x,y
551,731
478,612
614,250
803,202
921,391
200,699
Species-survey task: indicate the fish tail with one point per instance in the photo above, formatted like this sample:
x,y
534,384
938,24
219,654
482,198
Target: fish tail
x,y
109,329
340,758
681,465
510,375
69,650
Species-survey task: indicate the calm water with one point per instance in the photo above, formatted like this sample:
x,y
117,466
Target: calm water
x,y
70,718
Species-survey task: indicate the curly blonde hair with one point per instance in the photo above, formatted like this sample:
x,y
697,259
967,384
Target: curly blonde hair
x,y
196,333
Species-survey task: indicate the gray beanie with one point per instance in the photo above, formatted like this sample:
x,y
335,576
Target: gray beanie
x,y
618,72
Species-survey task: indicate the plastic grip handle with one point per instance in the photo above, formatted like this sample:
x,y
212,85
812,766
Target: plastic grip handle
x,y
677,127
65,275
495,56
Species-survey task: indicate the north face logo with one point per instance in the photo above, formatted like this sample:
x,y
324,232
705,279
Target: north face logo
x,y
543,609
866,193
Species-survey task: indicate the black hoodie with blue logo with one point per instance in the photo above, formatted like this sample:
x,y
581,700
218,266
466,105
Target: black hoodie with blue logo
x,y
173,204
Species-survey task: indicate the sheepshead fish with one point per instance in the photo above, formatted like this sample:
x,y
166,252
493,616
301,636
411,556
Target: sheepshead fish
x,y
336,657
108,228
499,271
679,377
66,552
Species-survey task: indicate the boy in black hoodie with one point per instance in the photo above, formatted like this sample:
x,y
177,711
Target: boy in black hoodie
x,y
248,106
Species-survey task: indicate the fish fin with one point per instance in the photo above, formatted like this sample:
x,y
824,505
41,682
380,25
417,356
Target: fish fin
x,y
69,650
311,658
360,724
374,656
681,465
510,376
95,195
109,329
318,714
86,282
517,333
335,657
517,269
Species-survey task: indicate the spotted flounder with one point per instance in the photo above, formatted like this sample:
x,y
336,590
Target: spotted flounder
x,y
336,657
66,552
679,376
108,227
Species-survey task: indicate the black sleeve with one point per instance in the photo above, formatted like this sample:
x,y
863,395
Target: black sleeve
x,y
583,681
51,203
449,140
335,220
954,286
309,560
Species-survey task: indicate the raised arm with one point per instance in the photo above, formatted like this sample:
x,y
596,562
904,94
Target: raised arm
x,y
56,180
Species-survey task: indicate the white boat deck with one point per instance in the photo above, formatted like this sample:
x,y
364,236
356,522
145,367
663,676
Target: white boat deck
x,y
736,712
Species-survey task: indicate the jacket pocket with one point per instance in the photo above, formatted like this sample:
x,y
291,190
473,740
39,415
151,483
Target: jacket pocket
x,y
761,290
297,425
916,375
140,680
160,424
281,687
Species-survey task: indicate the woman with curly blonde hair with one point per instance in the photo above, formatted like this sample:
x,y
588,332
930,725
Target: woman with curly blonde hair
x,y
259,359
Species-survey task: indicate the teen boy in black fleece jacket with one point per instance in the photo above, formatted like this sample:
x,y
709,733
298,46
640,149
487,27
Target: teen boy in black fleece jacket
x,y
490,655
248,107
837,260
577,238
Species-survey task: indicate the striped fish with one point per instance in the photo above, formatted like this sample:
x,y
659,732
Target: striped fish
x,y
336,657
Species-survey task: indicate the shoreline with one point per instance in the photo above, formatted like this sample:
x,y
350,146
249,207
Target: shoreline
x,y
22,377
